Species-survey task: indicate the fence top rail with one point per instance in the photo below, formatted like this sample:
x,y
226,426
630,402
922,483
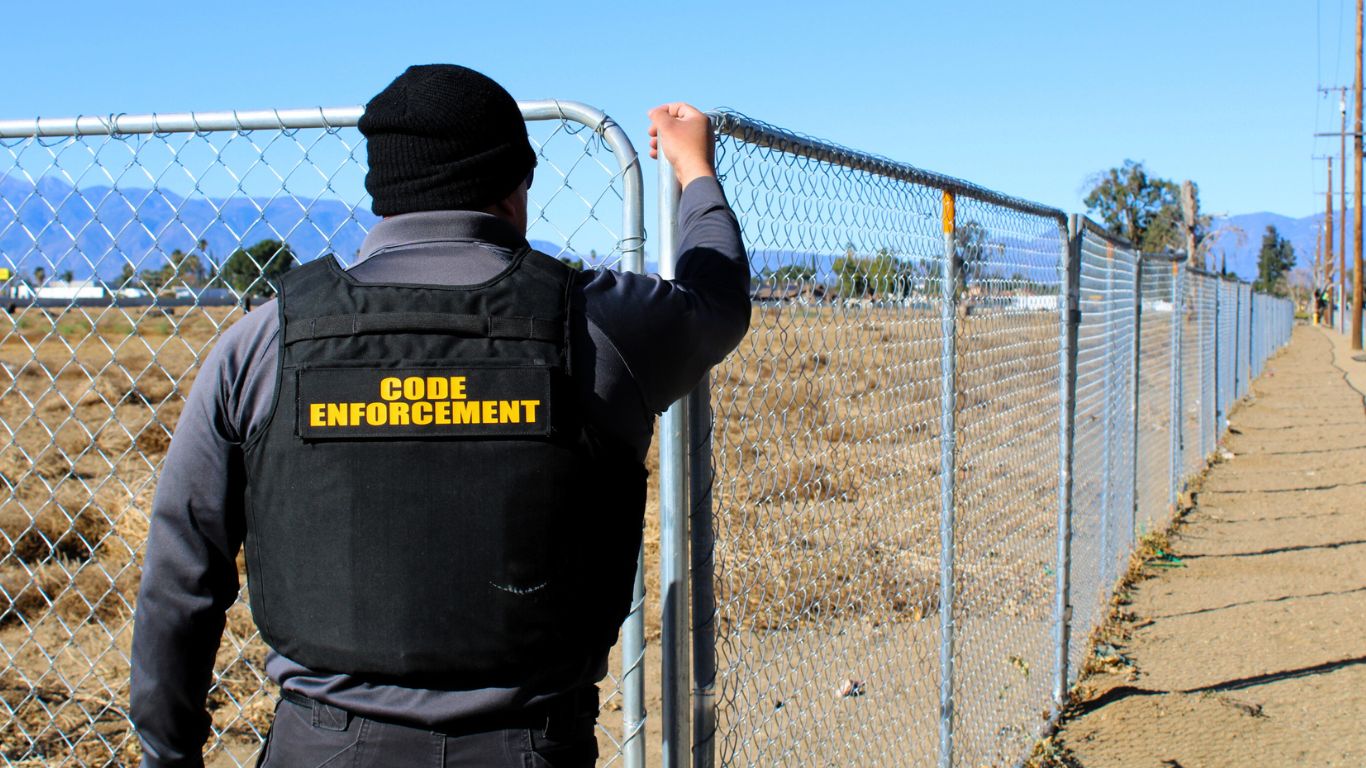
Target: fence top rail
x,y
1084,224
1170,257
1216,276
261,119
761,134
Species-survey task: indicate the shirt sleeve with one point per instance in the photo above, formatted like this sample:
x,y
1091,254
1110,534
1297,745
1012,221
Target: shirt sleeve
x,y
189,576
668,333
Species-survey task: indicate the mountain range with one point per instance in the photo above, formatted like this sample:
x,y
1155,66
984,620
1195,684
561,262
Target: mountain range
x,y
1241,256
95,231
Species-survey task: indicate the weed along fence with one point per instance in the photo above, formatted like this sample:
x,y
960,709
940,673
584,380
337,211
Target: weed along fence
x,y
881,533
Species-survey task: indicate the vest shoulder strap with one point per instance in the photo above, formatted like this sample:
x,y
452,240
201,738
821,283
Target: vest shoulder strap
x,y
481,326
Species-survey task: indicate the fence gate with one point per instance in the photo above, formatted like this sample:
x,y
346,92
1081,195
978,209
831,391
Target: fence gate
x,y
135,241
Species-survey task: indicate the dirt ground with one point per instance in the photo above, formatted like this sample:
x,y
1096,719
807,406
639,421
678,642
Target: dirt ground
x,y
1246,643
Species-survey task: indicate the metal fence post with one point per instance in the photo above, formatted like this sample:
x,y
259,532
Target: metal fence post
x,y
633,633
1237,345
1107,419
1252,364
1134,402
1069,311
703,563
1218,389
1211,338
1178,393
948,328
673,521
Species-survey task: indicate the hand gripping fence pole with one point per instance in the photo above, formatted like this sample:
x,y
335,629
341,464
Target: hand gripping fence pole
x,y
703,550
673,520
1069,310
948,321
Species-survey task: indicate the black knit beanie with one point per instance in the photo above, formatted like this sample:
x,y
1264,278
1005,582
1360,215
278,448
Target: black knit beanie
x,y
443,137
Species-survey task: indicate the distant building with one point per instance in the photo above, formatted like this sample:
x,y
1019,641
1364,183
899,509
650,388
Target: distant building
x,y
789,293
207,296
61,290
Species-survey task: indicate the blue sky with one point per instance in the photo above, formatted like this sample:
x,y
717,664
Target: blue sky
x,y
1027,98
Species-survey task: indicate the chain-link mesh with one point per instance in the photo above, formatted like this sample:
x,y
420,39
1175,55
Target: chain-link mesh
x,y
134,242
1158,415
1102,471
1226,345
1008,466
828,454
1204,324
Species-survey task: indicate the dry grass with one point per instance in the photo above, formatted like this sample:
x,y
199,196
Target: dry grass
x,y
826,450
827,453
90,400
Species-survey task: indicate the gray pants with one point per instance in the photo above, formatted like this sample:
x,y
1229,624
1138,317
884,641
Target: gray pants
x,y
319,735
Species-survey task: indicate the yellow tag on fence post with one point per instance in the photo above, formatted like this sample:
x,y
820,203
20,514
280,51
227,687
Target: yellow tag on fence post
x,y
5,274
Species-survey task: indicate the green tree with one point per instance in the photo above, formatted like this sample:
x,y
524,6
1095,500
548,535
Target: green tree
x,y
39,275
251,271
1276,257
1143,209
127,276
181,268
792,273
971,242
880,275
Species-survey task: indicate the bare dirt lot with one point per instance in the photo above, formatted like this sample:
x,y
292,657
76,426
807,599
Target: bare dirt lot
x,y
1244,644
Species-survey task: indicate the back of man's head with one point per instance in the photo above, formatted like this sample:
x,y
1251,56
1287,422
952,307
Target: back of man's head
x,y
443,137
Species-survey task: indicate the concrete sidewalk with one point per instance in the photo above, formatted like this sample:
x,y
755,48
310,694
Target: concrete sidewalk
x,y
1345,358
1248,646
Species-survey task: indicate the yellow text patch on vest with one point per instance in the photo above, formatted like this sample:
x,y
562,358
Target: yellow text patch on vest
x,y
484,400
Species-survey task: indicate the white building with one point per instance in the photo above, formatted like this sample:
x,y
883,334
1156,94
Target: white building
x,y
61,290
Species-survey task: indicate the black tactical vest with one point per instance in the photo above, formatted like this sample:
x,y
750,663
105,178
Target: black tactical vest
x,y
427,504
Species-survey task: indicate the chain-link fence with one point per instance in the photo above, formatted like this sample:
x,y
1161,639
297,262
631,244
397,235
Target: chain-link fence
x,y
133,242
912,488
880,594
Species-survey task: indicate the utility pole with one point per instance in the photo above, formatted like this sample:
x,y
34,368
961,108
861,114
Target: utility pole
x,y
1342,224
1188,213
1318,266
1340,301
1356,196
1327,273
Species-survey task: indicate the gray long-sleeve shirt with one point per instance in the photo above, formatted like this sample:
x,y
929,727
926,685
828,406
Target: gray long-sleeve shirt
x,y
638,343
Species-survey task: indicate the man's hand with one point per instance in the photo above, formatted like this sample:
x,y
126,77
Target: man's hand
x,y
685,134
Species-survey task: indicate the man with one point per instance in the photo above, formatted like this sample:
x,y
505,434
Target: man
x,y
434,458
